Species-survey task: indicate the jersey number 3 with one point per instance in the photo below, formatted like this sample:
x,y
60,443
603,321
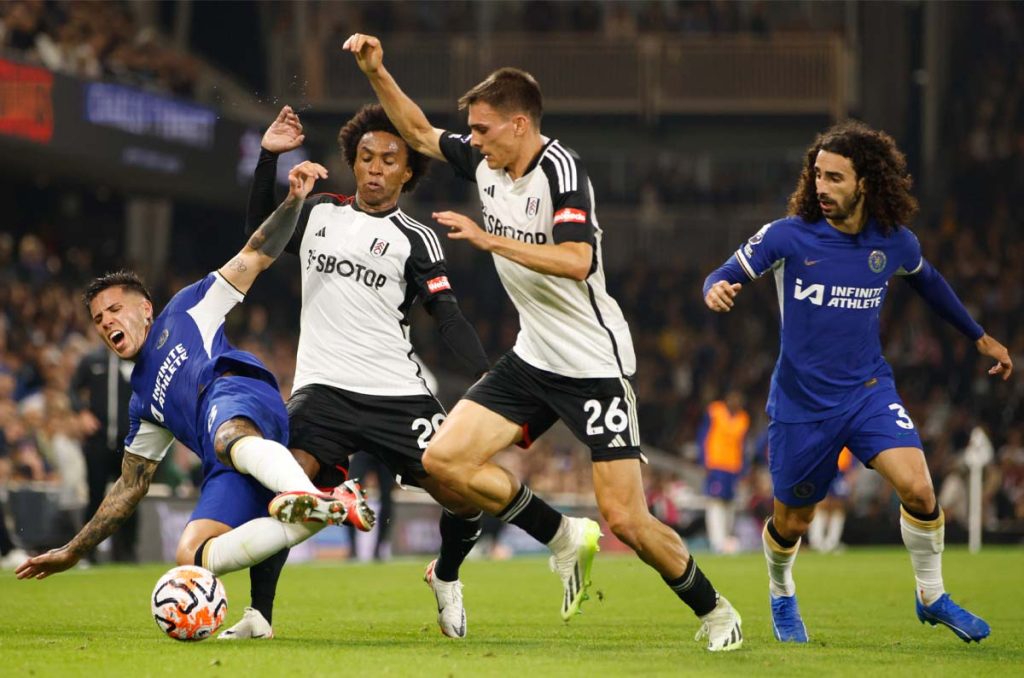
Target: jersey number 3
x,y
427,427
902,418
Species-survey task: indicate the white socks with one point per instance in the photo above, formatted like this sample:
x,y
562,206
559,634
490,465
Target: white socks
x,y
254,542
272,464
816,532
925,540
780,565
836,522
827,530
716,518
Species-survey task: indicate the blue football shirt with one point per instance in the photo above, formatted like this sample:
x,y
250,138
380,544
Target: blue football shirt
x,y
185,350
831,286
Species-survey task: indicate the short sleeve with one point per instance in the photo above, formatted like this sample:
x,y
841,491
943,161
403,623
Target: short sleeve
x,y
911,259
571,202
764,250
145,439
460,154
426,269
211,299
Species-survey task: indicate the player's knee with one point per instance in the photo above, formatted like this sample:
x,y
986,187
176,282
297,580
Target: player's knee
x,y
439,462
228,434
793,525
185,555
919,496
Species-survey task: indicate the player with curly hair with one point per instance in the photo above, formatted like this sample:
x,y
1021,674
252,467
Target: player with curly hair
x,y
365,262
846,235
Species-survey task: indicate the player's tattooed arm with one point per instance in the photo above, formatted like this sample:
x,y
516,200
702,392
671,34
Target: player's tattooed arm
x,y
274,233
269,240
119,504
136,475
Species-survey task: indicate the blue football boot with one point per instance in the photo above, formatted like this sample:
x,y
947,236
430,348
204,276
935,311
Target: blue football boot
x,y
787,624
944,611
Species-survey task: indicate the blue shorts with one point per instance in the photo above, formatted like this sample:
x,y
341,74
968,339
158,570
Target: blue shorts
x,y
803,457
720,484
226,495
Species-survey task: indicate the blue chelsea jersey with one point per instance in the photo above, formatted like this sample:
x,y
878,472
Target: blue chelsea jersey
x,y
185,350
830,286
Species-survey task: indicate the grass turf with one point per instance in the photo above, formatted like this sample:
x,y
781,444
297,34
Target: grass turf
x,y
379,620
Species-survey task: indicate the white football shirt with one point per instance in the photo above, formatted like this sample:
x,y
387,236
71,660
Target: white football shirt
x,y
361,273
569,327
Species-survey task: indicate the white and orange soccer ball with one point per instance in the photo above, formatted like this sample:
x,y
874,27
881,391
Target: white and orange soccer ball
x,y
189,603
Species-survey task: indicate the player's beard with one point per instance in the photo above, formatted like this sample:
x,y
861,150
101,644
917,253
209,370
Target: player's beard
x,y
845,210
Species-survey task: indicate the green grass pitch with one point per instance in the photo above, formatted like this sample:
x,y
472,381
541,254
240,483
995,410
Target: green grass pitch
x,y
379,620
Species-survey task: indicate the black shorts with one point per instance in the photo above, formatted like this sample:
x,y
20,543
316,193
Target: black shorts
x,y
600,412
331,424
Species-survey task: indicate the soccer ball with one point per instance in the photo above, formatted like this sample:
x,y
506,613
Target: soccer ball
x,y
189,603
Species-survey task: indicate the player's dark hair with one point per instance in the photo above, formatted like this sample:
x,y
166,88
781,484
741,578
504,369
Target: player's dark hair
x,y
876,159
126,279
508,90
372,118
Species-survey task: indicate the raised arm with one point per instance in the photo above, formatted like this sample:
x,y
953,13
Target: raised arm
x,y
284,134
270,239
126,493
407,117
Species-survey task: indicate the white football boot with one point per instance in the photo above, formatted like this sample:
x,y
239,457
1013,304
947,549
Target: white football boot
x,y
451,615
721,627
253,626
573,563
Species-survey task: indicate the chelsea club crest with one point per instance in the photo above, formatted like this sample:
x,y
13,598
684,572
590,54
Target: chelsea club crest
x,y
876,261
163,339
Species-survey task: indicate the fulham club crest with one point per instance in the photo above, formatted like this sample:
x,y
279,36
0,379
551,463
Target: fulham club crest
x,y
378,247
532,205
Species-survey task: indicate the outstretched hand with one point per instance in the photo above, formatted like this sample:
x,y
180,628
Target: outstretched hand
x,y
720,298
302,177
285,133
463,228
993,349
367,50
51,562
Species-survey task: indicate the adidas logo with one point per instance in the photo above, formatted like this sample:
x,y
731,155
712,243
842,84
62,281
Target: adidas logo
x,y
322,233
617,441
489,191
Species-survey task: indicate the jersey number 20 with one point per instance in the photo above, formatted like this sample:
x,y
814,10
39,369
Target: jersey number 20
x,y
428,426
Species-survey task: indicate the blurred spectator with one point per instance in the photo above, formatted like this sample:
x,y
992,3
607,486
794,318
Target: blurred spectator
x,y
720,442
94,39
100,392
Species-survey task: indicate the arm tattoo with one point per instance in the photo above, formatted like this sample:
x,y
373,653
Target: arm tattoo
x,y
237,264
118,505
273,234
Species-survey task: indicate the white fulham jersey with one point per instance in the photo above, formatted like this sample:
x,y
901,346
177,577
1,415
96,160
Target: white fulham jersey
x,y
569,327
361,273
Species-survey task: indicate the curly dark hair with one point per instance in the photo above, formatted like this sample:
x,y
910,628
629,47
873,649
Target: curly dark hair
x,y
126,279
875,159
372,118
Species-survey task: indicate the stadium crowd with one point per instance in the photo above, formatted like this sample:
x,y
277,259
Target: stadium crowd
x,y
612,20
95,39
687,355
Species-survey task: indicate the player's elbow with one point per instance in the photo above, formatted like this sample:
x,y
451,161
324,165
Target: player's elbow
x,y
580,271
580,264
